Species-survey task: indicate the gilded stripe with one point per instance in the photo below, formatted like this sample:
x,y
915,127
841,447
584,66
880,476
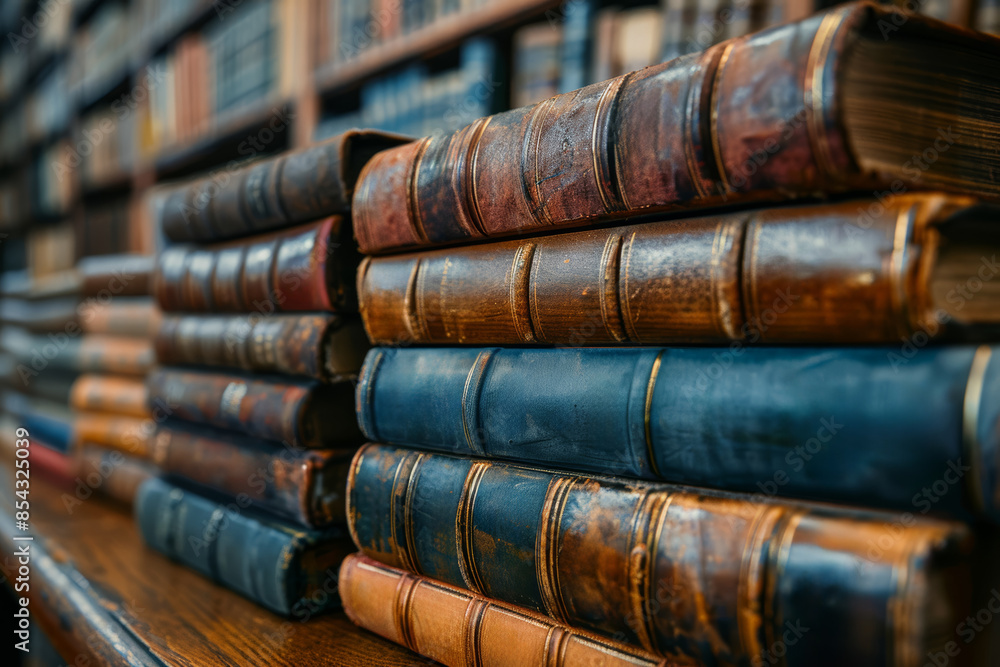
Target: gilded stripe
x,y
556,641
519,295
547,544
465,526
714,119
970,426
623,297
647,414
599,144
538,115
411,312
816,65
777,559
898,268
752,579
647,527
470,402
611,313
412,201
473,627
472,193
403,609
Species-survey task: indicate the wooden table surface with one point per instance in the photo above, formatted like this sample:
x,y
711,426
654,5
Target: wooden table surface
x,y
98,592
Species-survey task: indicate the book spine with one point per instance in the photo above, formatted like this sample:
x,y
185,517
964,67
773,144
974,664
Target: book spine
x,y
301,269
285,570
321,346
107,393
289,189
671,134
121,317
300,413
782,275
457,628
114,474
303,486
714,578
128,435
100,353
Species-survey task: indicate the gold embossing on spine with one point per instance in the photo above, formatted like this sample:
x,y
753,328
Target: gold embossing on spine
x,y
647,526
411,188
401,510
623,296
402,605
464,527
714,120
416,327
600,142
556,641
530,156
468,175
473,627
547,546
970,427
777,558
726,233
611,312
518,297
752,579
816,65
899,268
647,414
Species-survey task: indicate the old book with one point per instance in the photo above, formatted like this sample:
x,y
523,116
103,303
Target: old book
x,y
825,424
110,393
297,412
319,345
716,578
288,570
39,315
67,351
113,354
289,189
107,472
299,485
138,317
310,267
129,435
457,628
109,276
801,109
47,421
850,272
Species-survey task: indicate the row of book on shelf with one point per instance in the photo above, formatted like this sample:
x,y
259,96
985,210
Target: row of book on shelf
x,y
515,367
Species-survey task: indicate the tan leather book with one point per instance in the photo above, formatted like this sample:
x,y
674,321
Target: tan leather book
x,y
129,435
137,317
459,628
110,393
809,107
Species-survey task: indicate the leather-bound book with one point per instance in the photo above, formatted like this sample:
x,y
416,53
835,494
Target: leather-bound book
x,y
457,628
47,421
318,345
107,276
108,472
830,273
114,354
126,316
285,569
717,578
310,267
277,192
304,486
41,315
110,393
804,108
129,435
820,423
297,412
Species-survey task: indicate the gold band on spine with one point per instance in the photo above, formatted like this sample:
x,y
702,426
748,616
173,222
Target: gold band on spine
x,y
402,607
547,543
469,175
751,583
647,527
623,300
777,558
599,136
898,278
714,118
470,401
464,527
611,314
412,201
694,111
473,627
970,426
529,155
647,413
556,641
816,65
519,292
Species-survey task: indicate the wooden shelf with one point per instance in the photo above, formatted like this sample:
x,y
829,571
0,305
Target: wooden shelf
x,y
444,34
97,591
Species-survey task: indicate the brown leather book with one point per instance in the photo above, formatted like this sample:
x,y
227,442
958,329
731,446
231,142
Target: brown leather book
x,y
457,628
115,354
319,345
285,190
857,271
126,316
301,413
110,393
129,435
809,107
116,275
310,267
108,472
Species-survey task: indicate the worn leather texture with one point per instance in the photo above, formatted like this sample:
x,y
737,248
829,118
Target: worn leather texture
x,y
808,274
686,133
457,628
93,392
310,267
714,577
318,345
298,412
299,485
289,189
863,426
272,563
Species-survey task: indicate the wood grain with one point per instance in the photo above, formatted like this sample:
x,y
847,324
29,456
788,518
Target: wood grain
x,y
97,591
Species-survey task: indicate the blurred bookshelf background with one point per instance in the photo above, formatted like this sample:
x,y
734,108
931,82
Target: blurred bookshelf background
x,y
104,100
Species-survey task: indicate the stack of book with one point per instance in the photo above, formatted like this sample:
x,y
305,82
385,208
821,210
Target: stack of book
x,y
781,453
253,402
